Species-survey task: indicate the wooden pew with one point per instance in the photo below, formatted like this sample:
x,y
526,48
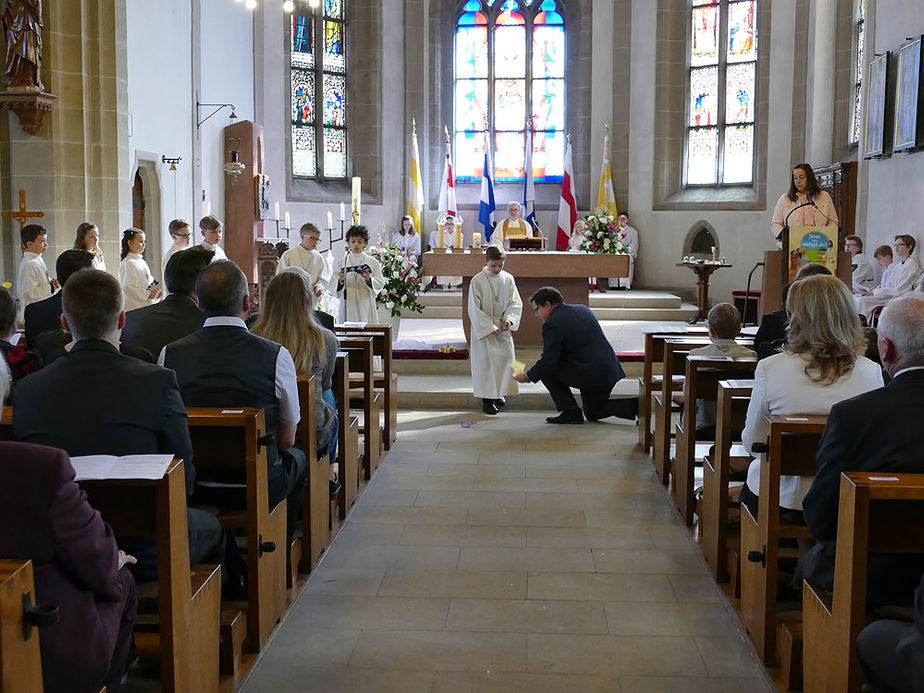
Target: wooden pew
x,y
348,457
20,658
316,507
188,598
877,513
227,443
360,361
733,401
6,424
385,380
675,355
790,450
701,382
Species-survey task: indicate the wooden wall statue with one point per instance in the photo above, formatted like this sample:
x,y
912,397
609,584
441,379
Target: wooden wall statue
x,y
244,146
24,93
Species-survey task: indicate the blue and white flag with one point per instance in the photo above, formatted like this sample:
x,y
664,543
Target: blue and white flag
x,y
529,190
486,207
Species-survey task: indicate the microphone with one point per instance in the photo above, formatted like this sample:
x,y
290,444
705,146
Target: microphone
x,y
812,202
785,228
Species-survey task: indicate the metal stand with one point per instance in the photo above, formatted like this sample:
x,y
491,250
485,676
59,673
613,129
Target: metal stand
x,y
747,295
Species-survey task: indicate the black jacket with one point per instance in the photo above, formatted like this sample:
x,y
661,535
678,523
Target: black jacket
x,y
153,327
43,316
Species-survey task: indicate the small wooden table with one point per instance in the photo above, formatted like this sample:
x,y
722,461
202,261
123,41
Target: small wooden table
x,y
703,271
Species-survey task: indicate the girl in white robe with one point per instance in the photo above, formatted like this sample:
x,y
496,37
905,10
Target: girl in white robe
x,y
357,289
138,284
494,308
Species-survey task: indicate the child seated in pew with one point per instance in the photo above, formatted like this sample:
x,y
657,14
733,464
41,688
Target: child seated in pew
x,y
359,279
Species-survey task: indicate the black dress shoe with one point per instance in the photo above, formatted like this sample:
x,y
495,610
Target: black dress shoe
x,y
489,407
573,416
500,402
335,486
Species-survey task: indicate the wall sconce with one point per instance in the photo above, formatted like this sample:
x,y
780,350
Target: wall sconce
x,y
234,168
219,106
172,160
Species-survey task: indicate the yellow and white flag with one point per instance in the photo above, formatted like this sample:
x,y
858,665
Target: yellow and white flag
x,y
415,196
606,198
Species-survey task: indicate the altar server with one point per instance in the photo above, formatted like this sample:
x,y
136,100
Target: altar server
x,y
33,282
308,258
449,233
138,284
359,279
494,307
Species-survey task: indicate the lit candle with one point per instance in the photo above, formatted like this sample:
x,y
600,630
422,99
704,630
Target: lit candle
x,y
342,212
330,219
357,193
276,211
476,240
287,224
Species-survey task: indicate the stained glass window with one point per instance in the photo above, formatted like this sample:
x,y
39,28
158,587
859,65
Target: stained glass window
x,y
318,92
722,79
510,89
860,38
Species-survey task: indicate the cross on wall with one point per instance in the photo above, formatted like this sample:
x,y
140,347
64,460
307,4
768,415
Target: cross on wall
x,y
22,215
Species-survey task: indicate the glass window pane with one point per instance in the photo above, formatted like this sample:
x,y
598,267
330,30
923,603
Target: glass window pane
x,y
548,18
548,156
739,154
469,159
705,2
302,41
857,114
739,93
742,37
705,31
860,39
473,18
471,52
509,104
304,162
510,51
701,156
548,104
548,51
334,108
333,8
704,87
471,104
509,157
302,96
510,15
334,153
333,47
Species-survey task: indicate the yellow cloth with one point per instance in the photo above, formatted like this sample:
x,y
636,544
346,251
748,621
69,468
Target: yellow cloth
x,y
517,228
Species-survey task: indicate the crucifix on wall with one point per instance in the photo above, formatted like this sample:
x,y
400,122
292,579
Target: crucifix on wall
x,y
22,215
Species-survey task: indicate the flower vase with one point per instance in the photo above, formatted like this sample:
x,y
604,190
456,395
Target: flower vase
x,y
386,318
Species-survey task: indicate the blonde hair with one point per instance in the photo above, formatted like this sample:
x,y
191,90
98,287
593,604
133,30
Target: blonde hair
x,y
824,328
287,318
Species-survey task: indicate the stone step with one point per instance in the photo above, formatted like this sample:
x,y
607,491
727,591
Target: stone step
x,y
634,299
436,297
684,311
438,312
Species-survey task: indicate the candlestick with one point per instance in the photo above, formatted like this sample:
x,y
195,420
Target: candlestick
x,y
457,241
342,211
440,229
357,194
276,211
330,220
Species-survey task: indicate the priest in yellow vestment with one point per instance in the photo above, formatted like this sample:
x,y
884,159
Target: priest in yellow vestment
x,y
514,226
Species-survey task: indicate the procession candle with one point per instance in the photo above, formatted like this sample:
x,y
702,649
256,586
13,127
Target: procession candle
x,y
457,241
276,211
287,224
342,212
440,229
357,192
330,220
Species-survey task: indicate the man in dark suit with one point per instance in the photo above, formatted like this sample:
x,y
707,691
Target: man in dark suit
x,y
153,327
575,353
98,401
77,567
874,432
45,315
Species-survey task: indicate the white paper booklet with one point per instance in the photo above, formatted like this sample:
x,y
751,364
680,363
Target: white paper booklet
x,y
93,467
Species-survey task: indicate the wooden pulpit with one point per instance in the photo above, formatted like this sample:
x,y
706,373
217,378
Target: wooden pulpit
x,y
243,226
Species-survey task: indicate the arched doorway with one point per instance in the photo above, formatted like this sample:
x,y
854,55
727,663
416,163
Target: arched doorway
x,y
138,202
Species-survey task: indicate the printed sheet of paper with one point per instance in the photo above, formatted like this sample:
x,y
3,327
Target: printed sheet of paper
x,y
94,467
741,383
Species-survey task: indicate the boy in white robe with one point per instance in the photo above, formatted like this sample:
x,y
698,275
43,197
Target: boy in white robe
x,y
33,282
308,258
211,230
359,280
182,239
494,308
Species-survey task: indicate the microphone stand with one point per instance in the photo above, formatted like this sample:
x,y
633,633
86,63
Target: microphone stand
x,y
785,228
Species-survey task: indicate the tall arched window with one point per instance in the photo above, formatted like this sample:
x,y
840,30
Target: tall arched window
x,y
318,86
859,35
510,88
722,77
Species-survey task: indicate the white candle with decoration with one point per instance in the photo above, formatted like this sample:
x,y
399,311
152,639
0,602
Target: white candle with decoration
x,y
357,194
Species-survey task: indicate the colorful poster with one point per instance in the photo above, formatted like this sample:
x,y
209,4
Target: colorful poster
x,y
812,244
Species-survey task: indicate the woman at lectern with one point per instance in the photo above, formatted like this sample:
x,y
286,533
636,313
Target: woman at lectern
x,y
805,204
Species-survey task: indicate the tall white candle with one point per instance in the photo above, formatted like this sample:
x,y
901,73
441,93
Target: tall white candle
x,y
357,193
342,211
276,211
288,224
330,220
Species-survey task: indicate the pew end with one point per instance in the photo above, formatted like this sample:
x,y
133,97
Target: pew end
x,y
20,657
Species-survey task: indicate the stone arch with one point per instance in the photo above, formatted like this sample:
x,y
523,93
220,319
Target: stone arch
x,y
147,166
700,240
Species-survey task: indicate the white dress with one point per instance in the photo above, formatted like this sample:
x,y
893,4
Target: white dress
x,y
357,299
136,277
493,300
409,243
309,260
447,243
32,283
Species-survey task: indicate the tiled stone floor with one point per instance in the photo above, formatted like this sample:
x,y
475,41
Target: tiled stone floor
x,y
511,556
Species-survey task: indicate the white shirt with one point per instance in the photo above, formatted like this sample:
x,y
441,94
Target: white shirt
x,y
309,260
286,385
899,280
219,253
630,239
409,243
33,283
175,248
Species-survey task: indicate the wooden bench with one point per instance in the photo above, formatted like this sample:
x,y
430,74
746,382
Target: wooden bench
x,y
878,512
701,382
665,402
188,599
733,399
348,457
363,395
790,450
227,445
385,380
20,658
316,507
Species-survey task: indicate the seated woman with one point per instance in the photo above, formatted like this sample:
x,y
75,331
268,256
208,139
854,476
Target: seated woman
x,y
287,317
821,364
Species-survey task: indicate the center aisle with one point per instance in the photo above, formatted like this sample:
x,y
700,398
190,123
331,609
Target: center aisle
x,y
511,556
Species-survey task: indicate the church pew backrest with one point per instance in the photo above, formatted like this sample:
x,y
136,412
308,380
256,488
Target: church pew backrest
x,y
348,437
385,380
20,658
316,507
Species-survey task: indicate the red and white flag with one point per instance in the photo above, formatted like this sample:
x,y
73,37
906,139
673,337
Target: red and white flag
x,y
567,208
448,187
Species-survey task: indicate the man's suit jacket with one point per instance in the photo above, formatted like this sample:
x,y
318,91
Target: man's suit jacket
x,y
153,327
575,350
771,334
46,518
325,320
42,316
874,432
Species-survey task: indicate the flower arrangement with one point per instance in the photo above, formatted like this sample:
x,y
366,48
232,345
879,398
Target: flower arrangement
x,y
603,235
402,280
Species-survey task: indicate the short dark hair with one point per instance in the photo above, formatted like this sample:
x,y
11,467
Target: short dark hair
x,y
907,240
30,232
183,269
358,230
92,303
71,261
7,311
209,223
812,269
855,239
724,320
546,294
883,251
493,253
221,288
176,225
307,228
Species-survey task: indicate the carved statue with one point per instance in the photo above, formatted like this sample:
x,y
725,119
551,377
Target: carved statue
x,y
22,26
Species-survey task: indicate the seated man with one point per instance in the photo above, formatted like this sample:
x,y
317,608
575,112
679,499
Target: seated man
x,y
873,432
77,567
153,327
575,353
224,365
97,401
45,315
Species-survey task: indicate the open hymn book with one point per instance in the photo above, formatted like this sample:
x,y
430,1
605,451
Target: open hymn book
x,y
98,467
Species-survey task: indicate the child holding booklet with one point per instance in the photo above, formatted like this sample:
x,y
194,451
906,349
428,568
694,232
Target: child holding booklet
x,y
359,280
494,307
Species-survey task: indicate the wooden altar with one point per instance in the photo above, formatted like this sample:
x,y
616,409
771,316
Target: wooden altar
x,y
567,272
